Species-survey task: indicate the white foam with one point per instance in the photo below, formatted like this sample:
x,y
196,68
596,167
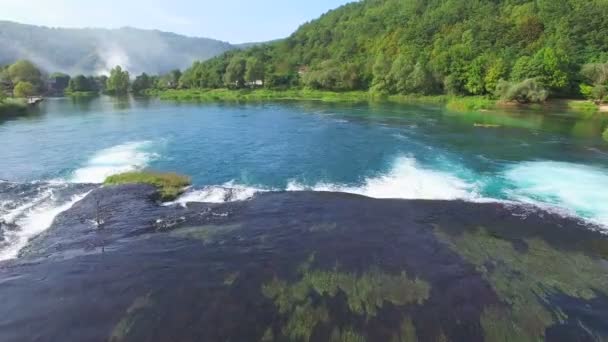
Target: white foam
x,y
573,188
406,180
228,192
11,215
36,220
118,159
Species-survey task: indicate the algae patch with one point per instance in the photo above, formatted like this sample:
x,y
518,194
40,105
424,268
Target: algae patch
x,y
525,281
407,332
124,329
207,234
365,294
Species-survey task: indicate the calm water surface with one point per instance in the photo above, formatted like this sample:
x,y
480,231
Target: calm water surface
x,y
549,158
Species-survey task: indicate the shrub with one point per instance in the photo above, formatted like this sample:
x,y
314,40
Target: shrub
x,y
605,135
24,89
526,91
169,185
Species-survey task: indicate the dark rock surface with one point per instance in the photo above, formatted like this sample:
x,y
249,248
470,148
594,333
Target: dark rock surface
x,y
305,266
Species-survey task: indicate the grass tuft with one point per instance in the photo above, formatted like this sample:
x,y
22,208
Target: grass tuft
x,y
169,185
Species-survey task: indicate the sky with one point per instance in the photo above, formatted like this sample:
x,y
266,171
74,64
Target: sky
x,y
235,21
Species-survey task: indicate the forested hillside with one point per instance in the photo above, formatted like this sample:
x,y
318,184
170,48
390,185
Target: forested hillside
x,y
465,47
94,51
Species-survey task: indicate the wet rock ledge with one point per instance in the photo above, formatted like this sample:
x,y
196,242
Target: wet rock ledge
x,y
303,266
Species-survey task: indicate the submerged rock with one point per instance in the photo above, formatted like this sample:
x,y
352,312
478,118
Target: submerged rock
x,y
305,266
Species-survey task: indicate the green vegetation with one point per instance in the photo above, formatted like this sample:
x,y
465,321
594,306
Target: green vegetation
x,y
605,135
582,106
365,294
205,95
473,103
407,332
595,77
526,91
10,106
456,103
207,234
520,51
81,85
169,185
125,328
22,79
142,83
525,280
118,82
24,89
27,72
345,335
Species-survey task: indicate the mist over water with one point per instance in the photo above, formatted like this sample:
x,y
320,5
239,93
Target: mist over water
x,y
233,152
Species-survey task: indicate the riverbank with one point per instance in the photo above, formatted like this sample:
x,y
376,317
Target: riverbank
x,y
213,95
82,94
10,107
455,103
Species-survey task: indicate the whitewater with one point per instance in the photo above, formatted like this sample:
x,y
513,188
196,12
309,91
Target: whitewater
x,y
234,152
567,188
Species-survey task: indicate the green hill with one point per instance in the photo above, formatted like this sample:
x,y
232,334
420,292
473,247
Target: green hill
x,y
461,47
93,51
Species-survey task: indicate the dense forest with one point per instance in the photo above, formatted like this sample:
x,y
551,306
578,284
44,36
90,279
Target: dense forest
x,y
523,50
517,50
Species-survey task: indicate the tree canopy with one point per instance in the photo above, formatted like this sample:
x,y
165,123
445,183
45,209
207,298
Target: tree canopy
x,y
118,82
24,89
426,47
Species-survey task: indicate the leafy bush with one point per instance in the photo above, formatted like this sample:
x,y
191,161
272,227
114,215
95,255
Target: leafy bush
x,y
169,185
594,93
24,89
605,135
526,91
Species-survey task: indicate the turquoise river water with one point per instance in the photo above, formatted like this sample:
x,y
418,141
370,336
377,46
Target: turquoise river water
x,y
550,158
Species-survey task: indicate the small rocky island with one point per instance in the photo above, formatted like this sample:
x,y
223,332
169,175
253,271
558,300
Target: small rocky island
x,y
305,266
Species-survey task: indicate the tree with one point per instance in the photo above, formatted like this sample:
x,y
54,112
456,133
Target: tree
x,y
400,71
24,89
381,82
58,82
25,71
142,83
552,68
476,76
254,71
420,80
235,72
496,71
80,83
463,47
118,82
2,96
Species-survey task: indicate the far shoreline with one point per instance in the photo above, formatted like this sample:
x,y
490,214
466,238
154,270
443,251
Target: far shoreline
x,y
451,102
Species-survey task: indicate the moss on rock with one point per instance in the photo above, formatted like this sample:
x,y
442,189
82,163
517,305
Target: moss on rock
x,y
169,185
525,281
